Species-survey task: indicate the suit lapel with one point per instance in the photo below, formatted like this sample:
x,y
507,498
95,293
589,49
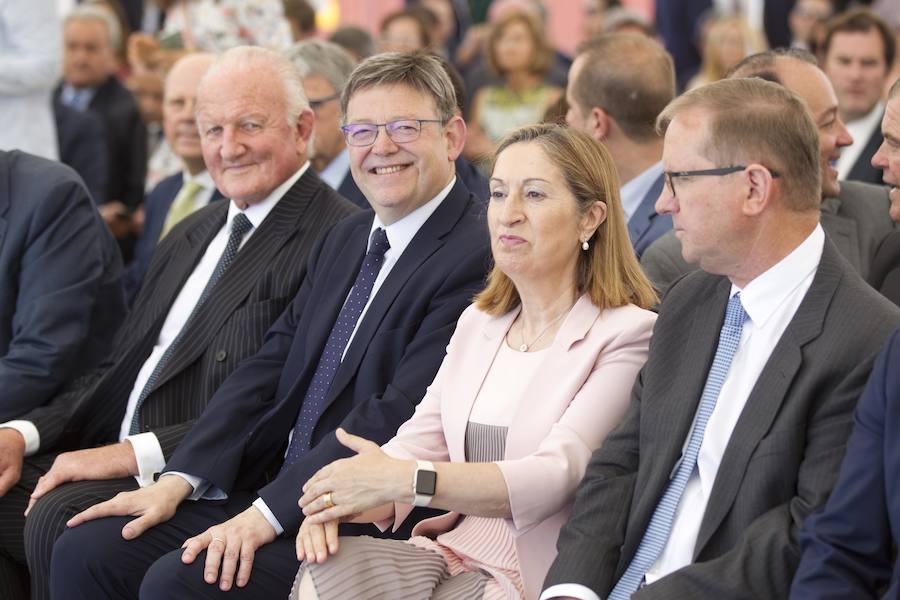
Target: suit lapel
x,y
642,219
5,193
768,394
842,231
241,276
425,243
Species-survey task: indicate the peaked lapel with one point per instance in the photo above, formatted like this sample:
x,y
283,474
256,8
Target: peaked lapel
x,y
240,277
426,242
769,392
642,219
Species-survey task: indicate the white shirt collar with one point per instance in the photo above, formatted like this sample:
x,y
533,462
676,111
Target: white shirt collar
x,y
762,296
400,233
336,170
633,192
258,211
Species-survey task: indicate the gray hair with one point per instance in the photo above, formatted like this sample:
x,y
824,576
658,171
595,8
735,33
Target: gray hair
x,y
93,12
253,58
326,59
418,70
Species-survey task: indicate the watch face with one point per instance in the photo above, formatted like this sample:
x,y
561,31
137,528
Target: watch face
x,y
426,481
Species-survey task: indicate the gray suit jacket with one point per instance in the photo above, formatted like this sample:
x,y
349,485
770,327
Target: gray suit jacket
x,y
781,460
857,221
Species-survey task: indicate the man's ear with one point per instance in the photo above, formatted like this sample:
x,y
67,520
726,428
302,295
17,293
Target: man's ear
x,y
304,129
455,133
599,123
760,187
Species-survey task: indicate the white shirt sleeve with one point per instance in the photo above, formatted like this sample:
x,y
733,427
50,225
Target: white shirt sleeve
x,y
269,515
149,456
203,490
29,432
569,590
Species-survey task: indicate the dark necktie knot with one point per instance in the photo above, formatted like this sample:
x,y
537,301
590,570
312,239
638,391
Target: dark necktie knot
x,y
378,243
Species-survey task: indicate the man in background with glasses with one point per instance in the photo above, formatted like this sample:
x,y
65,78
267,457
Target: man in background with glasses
x,y
739,418
853,214
356,349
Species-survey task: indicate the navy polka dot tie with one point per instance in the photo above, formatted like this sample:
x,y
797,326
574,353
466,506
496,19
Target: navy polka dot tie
x,y
330,360
239,226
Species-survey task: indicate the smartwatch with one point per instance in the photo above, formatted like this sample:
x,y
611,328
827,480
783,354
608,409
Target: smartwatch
x,y
424,483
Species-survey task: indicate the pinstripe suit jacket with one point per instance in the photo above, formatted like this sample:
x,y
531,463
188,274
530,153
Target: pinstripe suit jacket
x,y
781,460
251,295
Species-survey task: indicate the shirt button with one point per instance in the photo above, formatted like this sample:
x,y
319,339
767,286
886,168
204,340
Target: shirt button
x,y
221,355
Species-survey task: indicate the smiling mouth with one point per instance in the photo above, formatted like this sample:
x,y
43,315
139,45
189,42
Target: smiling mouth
x,y
387,170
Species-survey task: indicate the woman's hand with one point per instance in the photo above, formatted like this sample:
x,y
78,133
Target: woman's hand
x,y
316,541
353,485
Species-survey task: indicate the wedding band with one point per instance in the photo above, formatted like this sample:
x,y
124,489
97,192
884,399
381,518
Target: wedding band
x,y
326,498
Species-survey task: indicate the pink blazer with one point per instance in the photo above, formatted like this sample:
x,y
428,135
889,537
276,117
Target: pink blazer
x,y
578,395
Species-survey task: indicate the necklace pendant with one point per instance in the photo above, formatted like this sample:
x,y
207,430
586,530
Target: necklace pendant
x,y
523,348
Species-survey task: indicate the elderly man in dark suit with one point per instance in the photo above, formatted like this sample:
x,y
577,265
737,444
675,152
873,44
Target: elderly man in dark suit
x,y
853,214
617,87
215,285
187,191
356,349
91,37
738,420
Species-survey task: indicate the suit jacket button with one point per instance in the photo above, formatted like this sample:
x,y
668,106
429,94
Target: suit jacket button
x,y
221,355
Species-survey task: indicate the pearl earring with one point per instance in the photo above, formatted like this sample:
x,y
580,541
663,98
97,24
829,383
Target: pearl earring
x,y
584,245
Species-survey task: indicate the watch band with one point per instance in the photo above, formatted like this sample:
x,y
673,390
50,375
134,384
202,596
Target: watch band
x,y
423,499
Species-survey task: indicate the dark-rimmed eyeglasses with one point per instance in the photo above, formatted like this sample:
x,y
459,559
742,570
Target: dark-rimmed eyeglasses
x,y
318,102
671,176
400,131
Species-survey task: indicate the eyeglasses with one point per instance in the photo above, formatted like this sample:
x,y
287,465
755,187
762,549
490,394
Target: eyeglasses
x,y
670,176
318,102
400,132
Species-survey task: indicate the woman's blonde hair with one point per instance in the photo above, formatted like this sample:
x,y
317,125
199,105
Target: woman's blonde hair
x,y
608,271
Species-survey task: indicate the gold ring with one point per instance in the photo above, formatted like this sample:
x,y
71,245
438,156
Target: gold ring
x,y
326,498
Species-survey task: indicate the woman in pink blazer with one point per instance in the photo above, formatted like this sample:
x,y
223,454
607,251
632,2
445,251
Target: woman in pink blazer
x,y
538,372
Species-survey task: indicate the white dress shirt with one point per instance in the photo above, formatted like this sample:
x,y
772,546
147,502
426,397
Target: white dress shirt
x,y
633,192
770,300
860,130
336,170
30,64
147,449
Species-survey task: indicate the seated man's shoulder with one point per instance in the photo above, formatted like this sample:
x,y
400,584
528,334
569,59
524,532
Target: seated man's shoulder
x,y
38,178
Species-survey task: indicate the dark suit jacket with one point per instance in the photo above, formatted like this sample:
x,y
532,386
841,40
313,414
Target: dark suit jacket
x,y
848,547
126,138
61,298
857,222
249,297
886,268
862,169
82,146
780,463
394,355
646,225
156,209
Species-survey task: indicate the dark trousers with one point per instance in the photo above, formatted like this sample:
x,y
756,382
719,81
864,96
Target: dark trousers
x,y
94,561
13,568
47,521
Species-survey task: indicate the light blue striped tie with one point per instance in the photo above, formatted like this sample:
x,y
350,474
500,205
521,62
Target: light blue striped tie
x,y
660,525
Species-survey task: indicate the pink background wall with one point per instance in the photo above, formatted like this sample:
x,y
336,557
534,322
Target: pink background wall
x,y
563,26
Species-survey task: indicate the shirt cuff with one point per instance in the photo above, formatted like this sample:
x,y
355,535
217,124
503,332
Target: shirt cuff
x,y
569,590
260,504
29,432
199,485
149,456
